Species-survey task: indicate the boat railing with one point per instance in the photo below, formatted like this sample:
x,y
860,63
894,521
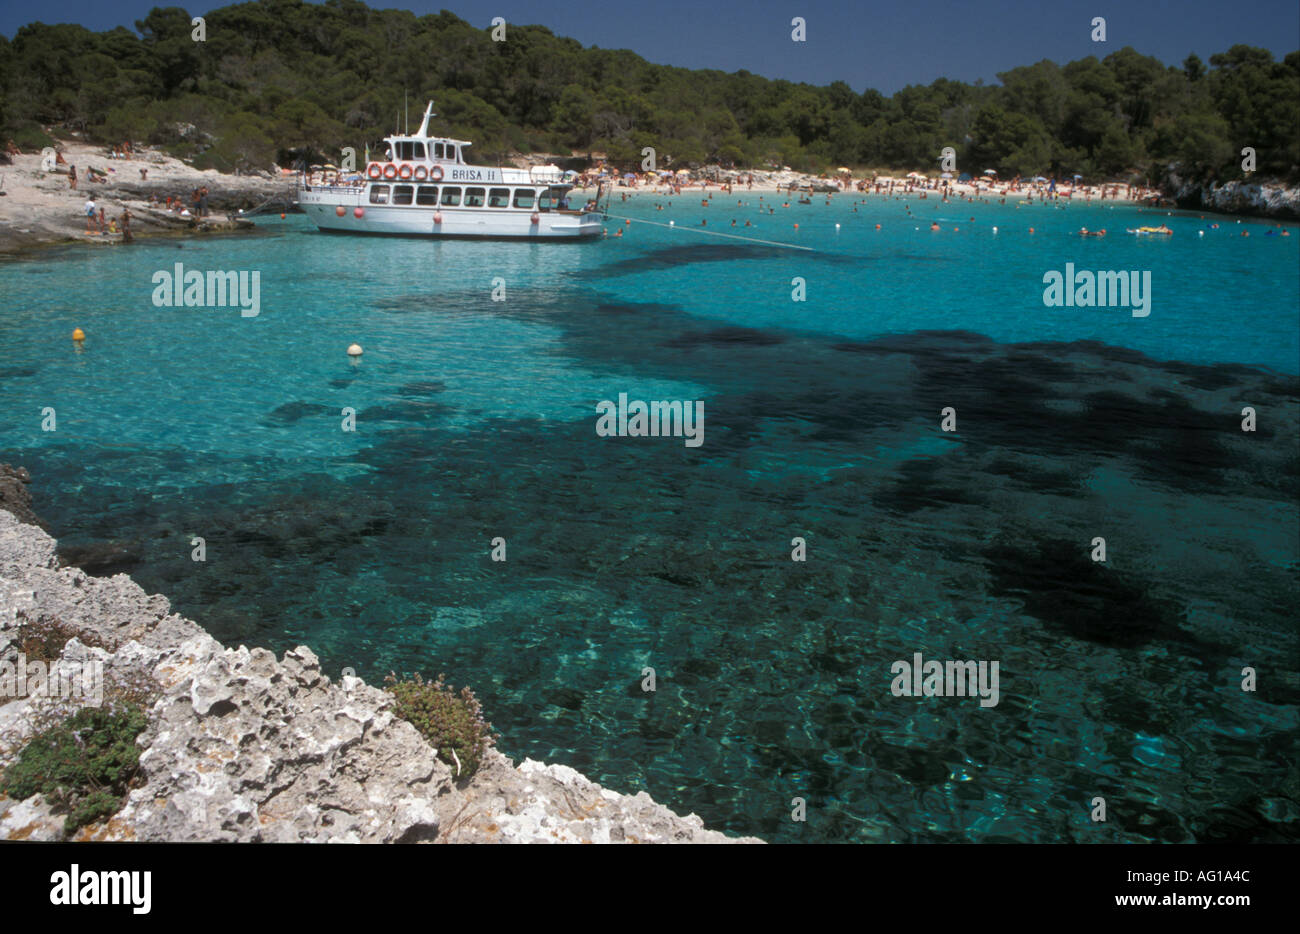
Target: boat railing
x,y
334,189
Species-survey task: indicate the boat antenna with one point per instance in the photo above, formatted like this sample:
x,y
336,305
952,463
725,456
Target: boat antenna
x,y
406,110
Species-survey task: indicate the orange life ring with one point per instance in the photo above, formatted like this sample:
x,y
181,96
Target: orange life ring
x,y
435,173
390,171
404,173
421,173
374,171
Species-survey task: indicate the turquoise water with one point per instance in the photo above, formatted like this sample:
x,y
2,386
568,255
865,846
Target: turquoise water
x,y
475,419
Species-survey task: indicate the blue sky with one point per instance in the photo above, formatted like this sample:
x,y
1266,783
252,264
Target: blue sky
x,y
881,45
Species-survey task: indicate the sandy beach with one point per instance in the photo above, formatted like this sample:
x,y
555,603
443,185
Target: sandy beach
x,y
779,183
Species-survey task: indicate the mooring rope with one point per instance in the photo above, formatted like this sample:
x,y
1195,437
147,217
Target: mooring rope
x,y
704,230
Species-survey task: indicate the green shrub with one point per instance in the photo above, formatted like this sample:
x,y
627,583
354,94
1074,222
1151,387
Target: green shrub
x,y
83,765
452,723
30,137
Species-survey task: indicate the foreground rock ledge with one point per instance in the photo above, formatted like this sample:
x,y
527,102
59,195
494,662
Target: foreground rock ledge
x,y
242,747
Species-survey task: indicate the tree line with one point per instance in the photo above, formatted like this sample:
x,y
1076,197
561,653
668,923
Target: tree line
x,y
279,80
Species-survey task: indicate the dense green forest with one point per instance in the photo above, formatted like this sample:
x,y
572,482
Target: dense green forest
x,y
281,78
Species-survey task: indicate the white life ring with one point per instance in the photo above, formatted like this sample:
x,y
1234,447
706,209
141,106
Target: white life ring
x,y
374,171
421,173
435,173
404,173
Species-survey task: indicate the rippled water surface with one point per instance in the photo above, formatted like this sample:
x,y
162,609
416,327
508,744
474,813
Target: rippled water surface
x,y
475,419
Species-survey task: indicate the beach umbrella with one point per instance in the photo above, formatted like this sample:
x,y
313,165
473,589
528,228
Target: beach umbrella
x,y
946,175
990,171
1077,175
844,170
915,175
964,177
1038,178
629,175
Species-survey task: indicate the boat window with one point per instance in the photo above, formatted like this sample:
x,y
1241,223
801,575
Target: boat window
x,y
550,199
473,197
463,155
437,150
378,194
402,194
451,197
499,198
428,194
524,198
417,150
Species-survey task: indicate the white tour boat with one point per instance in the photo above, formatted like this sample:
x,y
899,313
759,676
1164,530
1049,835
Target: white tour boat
x,y
426,187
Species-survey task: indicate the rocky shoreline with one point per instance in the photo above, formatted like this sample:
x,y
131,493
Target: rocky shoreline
x,y
242,747
1263,198
38,208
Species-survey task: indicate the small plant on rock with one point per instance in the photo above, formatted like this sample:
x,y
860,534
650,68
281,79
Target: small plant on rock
x,y
452,723
82,765
43,638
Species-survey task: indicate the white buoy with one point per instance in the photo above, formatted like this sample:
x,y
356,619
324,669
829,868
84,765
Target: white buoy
x,y
671,223
837,226
1200,233
354,350
995,230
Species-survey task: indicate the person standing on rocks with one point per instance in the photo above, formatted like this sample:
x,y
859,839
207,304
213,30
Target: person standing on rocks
x,y
89,210
72,177
126,225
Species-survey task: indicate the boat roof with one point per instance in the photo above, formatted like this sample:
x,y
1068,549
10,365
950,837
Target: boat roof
x,y
422,134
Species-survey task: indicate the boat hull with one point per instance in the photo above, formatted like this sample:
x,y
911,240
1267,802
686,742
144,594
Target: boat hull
x,y
443,222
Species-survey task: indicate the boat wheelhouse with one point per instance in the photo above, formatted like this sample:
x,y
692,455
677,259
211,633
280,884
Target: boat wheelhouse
x,y
426,186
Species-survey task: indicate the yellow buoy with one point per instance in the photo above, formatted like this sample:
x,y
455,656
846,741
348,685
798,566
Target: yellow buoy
x,y
78,334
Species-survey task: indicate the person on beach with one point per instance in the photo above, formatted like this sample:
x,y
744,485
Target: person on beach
x,y
203,201
126,225
72,177
101,220
12,148
89,211
144,174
